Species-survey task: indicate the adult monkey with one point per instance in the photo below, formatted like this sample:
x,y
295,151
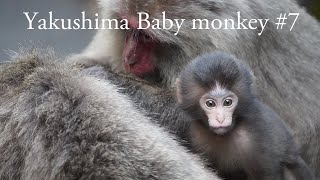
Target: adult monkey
x,y
57,123
286,64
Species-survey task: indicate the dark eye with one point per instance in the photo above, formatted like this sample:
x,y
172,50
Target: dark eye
x,y
210,103
227,102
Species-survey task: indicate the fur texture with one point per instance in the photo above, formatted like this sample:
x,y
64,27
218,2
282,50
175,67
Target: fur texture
x,y
285,63
257,141
155,102
59,123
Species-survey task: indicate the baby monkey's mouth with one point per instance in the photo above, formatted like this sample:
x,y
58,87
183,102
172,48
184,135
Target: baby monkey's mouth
x,y
221,130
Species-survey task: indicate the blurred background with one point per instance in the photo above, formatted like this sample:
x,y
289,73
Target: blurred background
x,y
13,24
312,6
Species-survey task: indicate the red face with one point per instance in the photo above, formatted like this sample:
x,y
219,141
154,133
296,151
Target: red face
x,y
138,51
137,55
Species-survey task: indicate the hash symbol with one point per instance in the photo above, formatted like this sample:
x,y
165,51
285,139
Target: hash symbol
x,y
281,20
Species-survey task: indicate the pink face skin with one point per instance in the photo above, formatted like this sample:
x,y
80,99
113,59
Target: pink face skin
x,y
137,53
219,105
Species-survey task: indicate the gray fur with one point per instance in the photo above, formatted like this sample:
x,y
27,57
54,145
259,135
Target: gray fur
x,y
285,64
155,102
58,123
257,132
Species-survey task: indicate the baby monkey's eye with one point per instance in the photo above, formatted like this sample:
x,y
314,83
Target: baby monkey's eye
x,y
227,102
210,103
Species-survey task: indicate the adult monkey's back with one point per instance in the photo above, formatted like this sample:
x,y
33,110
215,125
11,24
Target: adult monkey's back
x,y
59,123
285,64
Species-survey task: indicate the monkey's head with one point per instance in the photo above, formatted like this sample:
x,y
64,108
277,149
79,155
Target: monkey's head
x,y
216,89
161,50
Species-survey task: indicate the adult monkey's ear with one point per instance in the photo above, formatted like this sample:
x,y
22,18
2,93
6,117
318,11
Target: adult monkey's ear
x,y
178,90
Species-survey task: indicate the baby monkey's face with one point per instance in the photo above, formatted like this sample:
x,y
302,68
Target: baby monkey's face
x,y
219,105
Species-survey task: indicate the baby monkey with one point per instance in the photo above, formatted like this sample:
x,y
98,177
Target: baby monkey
x,y
236,132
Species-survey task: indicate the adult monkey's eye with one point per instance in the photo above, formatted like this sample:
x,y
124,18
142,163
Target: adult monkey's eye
x,y
210,103
227,102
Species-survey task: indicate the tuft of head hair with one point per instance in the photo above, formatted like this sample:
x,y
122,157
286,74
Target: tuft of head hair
x,y
209,69
206,71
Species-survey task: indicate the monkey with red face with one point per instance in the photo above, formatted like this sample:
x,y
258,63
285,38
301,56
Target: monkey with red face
x,y
231,127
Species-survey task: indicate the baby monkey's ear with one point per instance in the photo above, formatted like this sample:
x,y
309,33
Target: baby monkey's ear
x,y
178,90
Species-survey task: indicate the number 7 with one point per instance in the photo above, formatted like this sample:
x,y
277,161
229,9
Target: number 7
x,y
294,14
